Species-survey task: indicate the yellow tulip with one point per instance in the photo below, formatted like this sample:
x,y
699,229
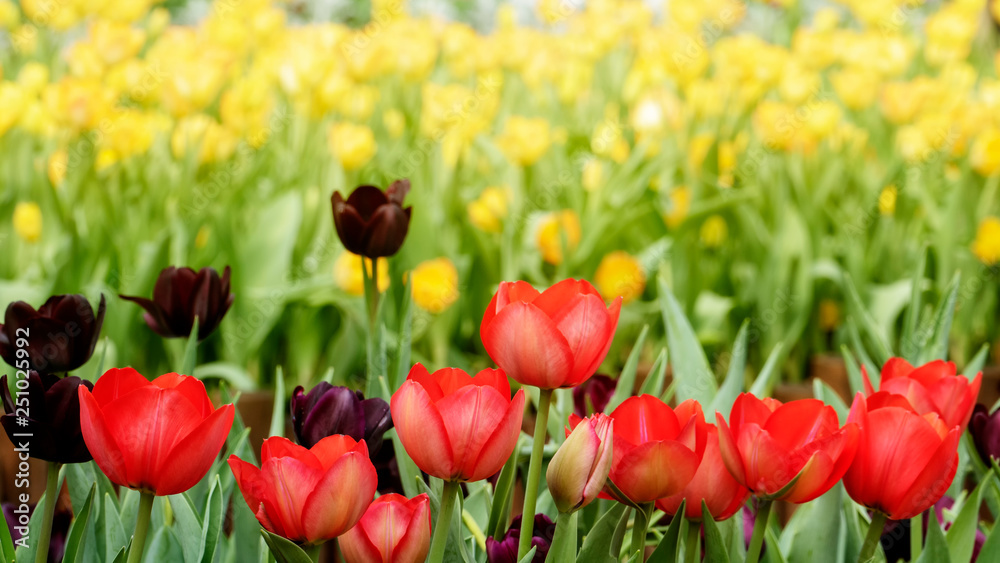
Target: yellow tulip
x,y
593,175
348,276
525,139
714,231
680,206
985,153
57,166
435,285
986,246
620,274
13,100
887,200
28,221
394,122
490,209
353,145
556,229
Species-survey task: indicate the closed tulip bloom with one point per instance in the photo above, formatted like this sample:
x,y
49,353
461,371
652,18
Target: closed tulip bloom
x,y
932,387
157,436
985,430
181,295
60,336
371,222
654,456
457,427
54,424
712,482
906,460
793,452
309,495
554,339
394,529
327,410
579,468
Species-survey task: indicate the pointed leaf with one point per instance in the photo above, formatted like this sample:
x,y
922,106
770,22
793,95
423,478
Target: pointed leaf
x,y
666,550
715,547
75,537
937,347
596,545
283,550
692,372
733,385
936,547
626,381
961,535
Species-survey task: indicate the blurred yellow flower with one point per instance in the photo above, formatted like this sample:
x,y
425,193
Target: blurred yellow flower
x,y
488,211
714,231
985,153
986,246
435,285
525,139
680,205
201,239
203,134
25,39
115,41
856,87
28,221
353,145
593,175
620,274
13,101
33,77
10,17
348,276
829,315
57,166
556,229
394,122
887,200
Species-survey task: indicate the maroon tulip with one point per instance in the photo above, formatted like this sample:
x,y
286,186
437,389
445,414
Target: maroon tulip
x,y
371,222
504,550
180,296
327,410
59,337
595,393
985,430
54,421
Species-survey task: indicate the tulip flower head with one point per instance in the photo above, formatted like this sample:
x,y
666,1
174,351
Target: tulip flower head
x,y
455,426
61,335
370,222
181,295
906,460
654,455
327,410
394,529
54,424
159,436
985,430
504,550
593,395
579,468
712,482
309,495
932,387
793,452
554,339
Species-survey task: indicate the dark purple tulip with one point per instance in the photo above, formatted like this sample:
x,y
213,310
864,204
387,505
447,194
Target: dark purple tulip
x,y
505,549
54,417
596,391
327,410
371,222
985,430
60,335
60,527
180,295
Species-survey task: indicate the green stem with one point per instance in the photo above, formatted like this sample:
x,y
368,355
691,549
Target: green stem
x,y
190,358
639,527
759,528
371,300
692,548
141,526
51,498
563,546
440,539
916,536
534,473
873,536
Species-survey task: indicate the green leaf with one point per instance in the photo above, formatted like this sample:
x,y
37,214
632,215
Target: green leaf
x,y
666,550
121,556
937,346
212,525
657,376
114,533
975,365
190,359
283,550
189,526
853,370
769,373
75,538
909,346
596,544
692,373
935,548
405,340
626,381
715,547
813,533
278,412
961,535
529,556
500,508
825,393
773,551
861,314
991,547
230,373
733,385
163,546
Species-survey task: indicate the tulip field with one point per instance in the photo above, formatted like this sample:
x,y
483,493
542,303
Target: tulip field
x,y
525,281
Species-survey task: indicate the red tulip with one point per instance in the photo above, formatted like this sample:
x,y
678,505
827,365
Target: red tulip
x,y
308,495
579,468
395,529
157,436
550,340
655,455
932,387
906,461
723,495
793,452
457,427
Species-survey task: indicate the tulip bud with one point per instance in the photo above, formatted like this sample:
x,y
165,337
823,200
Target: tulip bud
x,y
327,410
371,222
54,425
61,335
180,295
985,430
579,469
504,550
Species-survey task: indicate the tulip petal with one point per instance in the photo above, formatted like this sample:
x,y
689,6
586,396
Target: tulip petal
x,y
645,418
421,430
500,444
589,328
117,382
812,479
954,397
894,367
385,231
248,479
470,416
730,453
291,482
527,345
748,408
415,543
330,449
654,470
279,446
191,388
340,497
561,296
769,465
799,422
932,482
191,458
507,293
357,548
100,440
367,199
